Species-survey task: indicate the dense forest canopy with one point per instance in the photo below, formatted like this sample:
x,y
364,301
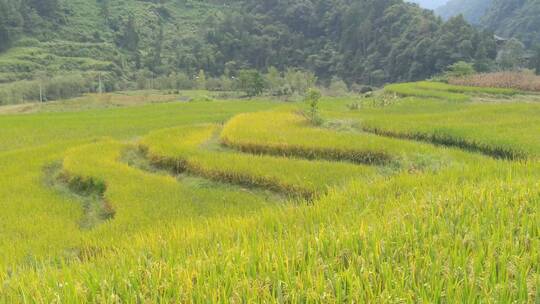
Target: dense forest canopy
x,y
367,41
361,41
358,41
515,18
508,18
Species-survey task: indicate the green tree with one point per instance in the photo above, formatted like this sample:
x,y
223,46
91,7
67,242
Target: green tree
x,y
511,55
129,38
275,82
105,10
251,82
201,80
312,100
5,38
536,60
300,81
45,8
338,87
460,69
155,59
5,33
514,18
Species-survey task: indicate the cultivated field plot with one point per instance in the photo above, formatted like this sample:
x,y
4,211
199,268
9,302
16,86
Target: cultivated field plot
x,y
433,197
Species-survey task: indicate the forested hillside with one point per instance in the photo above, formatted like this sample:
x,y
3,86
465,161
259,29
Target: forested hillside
x,y
363,41
373,41
115,36
508,18
472,10
429,4
515,18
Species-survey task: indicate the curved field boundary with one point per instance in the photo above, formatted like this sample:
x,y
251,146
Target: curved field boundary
x,y
97,209
136,157
189,165
142,197
451,141
90,192
287,134
353,156
180,149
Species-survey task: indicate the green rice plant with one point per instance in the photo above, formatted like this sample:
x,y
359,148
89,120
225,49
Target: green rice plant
x,y
444,91
504,130
465,233
89,192
456,236
98,164
181,149
412,90
439,86
285,133
445,138
23,131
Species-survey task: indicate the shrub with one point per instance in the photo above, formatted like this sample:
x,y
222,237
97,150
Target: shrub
x,y
337,87
201,80
59,87
312,100
353,106
299,82
366,89
219,84
460,69
275,82
251,82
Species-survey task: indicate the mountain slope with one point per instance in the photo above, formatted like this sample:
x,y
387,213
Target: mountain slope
x,y
123,36
515,18
371,41
508,18
430,4
472,10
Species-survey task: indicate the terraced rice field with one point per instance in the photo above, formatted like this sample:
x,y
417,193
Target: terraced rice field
x,y
424,200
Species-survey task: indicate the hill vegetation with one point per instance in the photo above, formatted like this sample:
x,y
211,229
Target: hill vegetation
x,y
472,10
361,42
508,18
111,44
515,18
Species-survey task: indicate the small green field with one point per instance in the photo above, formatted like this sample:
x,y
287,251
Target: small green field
x,y
422,193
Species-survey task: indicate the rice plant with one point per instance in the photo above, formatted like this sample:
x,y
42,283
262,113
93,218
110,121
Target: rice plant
x,y
204,230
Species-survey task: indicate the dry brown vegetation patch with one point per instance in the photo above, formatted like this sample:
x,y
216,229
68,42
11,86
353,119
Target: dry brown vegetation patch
x,y
512,80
